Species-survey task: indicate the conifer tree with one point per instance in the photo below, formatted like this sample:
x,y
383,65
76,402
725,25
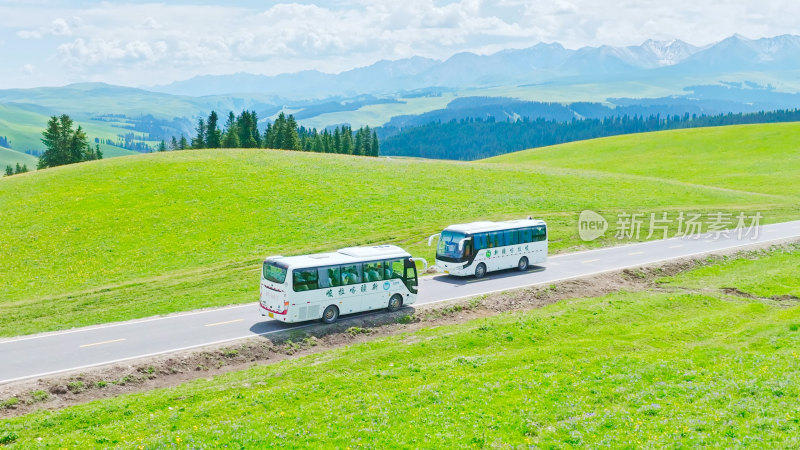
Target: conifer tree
x,y
162,146
200,140
231,137
337,141
347,140
183,144
358,148
375,148
9,170
213,134
63,145
290,139
173,145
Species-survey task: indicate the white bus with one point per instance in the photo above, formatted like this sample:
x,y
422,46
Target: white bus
x,y
480,247
325,285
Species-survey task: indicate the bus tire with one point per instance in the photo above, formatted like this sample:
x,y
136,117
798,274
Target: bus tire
x,y
522,266
395,303
480,271
330,314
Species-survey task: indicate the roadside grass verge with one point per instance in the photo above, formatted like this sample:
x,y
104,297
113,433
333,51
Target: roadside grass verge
x,y
672,367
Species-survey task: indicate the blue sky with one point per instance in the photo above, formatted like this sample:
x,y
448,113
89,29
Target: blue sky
x,y
144,43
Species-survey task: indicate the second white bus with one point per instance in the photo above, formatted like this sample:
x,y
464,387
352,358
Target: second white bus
x,y
326,285
480,247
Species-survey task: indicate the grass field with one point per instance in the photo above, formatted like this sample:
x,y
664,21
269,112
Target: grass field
x,y
152,234
11,157
756,158
678,367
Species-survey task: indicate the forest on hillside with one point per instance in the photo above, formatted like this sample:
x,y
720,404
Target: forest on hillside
x,y
477,138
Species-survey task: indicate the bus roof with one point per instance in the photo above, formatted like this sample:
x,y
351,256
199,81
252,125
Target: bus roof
x,y
343,256
480,227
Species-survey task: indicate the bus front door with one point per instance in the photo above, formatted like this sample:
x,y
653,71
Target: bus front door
x,y
410,277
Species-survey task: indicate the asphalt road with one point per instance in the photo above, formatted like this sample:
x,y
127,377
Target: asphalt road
x,y
50,353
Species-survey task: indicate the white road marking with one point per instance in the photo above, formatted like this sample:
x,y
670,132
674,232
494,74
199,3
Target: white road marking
x,y
223,323
147,355
102,343
47,334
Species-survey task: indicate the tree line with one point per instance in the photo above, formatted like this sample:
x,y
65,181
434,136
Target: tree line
x,y
241,131
470,139
4,142
19,169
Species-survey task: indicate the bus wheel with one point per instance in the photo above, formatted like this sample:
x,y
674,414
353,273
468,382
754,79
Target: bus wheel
x,y
395,302
480,271
523,264
330,314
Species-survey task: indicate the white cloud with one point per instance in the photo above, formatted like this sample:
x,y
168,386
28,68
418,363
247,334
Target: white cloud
x,y
29,34
107,39
97,51
58,27
27,70
151,24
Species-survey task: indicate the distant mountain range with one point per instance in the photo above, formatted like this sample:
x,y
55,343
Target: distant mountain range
x,y
537,64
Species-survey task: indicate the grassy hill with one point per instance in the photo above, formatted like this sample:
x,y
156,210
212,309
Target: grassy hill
x,y
757,158
150,234
8,156
23,125
677,367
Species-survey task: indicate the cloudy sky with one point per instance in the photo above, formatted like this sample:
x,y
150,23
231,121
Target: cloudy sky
x,y
137,43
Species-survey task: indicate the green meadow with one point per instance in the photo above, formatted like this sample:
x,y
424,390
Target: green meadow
x,y
10,157
677,367
762,158
23,125
151,234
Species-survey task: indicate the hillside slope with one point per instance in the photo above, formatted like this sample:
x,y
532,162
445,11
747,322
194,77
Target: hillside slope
x,y
758,158
131,237
10,157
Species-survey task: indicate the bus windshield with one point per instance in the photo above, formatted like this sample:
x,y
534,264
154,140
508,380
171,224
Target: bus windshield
x,y
273,272
448,244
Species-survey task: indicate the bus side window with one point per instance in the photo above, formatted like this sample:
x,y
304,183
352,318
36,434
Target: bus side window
x,y
511,237
305,279
468,247
351,274
540,232
334,275
498,239
323,280
373,271
526,236
397,267
480,241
